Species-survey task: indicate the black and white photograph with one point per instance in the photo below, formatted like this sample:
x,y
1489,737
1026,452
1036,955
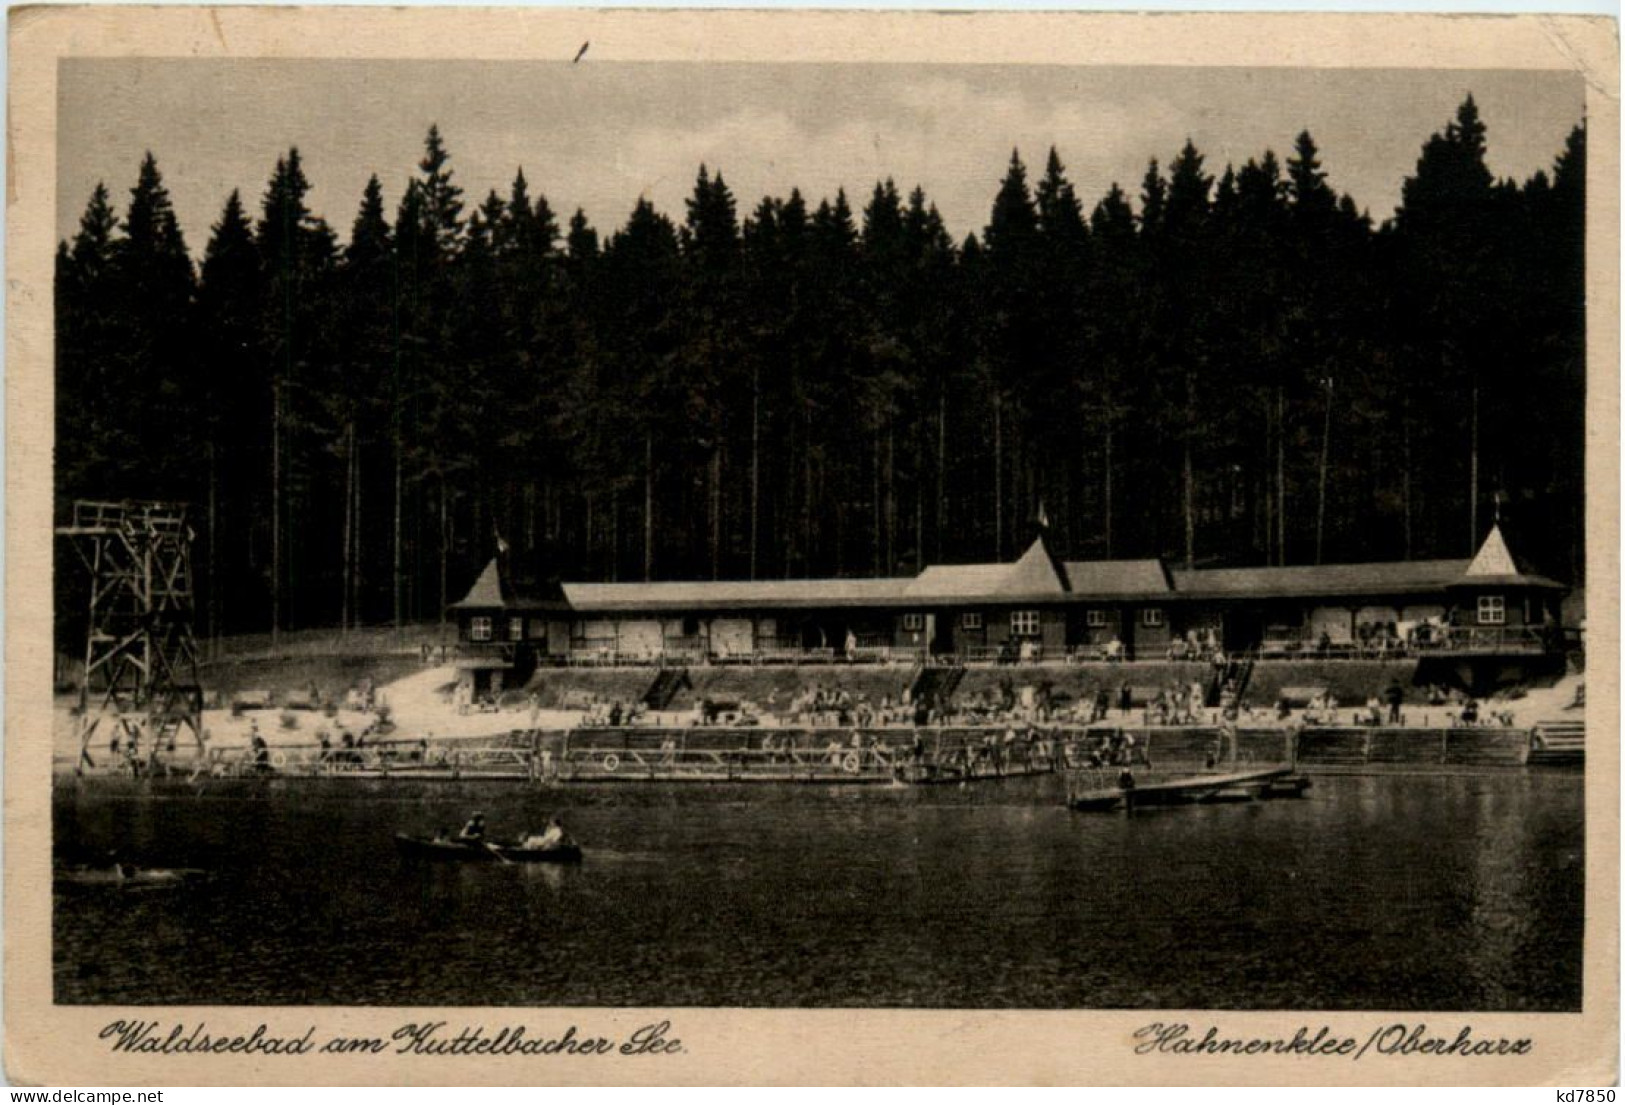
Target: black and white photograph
x,y
707,533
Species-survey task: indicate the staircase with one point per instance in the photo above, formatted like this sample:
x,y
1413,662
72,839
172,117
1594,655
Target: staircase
x,y
1230,684
1558,741
665,687
935,686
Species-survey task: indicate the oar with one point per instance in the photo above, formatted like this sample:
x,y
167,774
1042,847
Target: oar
x,y
497,852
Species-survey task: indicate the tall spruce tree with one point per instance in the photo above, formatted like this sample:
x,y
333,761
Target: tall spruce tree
x,y
227,326
153,289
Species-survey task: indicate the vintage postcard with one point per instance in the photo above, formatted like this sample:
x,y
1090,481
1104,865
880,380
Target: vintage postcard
x,y
681,547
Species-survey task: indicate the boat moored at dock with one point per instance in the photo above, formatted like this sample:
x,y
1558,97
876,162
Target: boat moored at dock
x,y
1100,790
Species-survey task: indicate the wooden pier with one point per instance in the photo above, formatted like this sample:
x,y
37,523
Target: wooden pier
x,y
578,761
875,756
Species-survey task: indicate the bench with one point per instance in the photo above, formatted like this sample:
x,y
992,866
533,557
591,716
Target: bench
x,y
251,700
1299,697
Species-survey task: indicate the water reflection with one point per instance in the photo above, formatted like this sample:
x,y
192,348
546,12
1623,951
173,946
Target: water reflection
x,y
1426,892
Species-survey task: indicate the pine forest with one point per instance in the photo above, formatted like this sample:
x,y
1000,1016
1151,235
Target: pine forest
x,y
1218,365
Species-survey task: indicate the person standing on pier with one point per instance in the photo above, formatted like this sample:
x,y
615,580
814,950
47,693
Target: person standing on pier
x,y
261,751
1396,697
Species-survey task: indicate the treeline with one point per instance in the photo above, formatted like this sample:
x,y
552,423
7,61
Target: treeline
x,y
1229,367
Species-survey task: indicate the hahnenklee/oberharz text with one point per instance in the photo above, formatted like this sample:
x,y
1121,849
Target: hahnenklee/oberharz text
x,y
428,1038
1390,1039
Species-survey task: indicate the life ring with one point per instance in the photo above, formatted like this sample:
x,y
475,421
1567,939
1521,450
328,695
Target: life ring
x,y
612,762
852,763
279,758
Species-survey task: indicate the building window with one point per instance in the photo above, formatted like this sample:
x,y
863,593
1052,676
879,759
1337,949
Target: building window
x,y
1151,616
913,623
1024,623
1095,619
1492,610
516,629
970,621
479,628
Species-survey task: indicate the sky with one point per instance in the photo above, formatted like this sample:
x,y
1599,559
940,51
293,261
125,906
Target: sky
x,y
599,136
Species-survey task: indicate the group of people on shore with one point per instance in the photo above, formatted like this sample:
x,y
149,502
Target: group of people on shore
x,y
1197,702
601,711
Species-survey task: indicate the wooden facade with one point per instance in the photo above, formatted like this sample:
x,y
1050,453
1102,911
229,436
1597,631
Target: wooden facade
x,y
1037,607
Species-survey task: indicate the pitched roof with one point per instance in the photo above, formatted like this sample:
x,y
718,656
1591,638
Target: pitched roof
x,y
731,594
1035,573
1117,578
947,581
1310,580
1494,565
487,590
1494,558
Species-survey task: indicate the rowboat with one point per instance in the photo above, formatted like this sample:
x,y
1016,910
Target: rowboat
x,y
124,875
458,851
1177,789
1288,786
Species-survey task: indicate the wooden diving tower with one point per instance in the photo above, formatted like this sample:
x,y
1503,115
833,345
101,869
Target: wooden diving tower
x,y
141,674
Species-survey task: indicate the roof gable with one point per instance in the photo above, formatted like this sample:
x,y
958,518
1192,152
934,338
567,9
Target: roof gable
x,y
1494,558
1036,573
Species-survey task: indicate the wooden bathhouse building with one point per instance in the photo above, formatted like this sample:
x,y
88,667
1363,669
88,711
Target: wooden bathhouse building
x,y
1037,608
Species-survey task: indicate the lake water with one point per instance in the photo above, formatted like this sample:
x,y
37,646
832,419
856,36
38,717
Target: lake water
x,y
1444,892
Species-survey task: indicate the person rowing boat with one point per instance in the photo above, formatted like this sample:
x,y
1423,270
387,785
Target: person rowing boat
x,y
473,835
474,831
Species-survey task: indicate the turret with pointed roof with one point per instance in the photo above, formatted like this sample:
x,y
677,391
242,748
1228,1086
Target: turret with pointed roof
x,y
487,592
502,585
1495,566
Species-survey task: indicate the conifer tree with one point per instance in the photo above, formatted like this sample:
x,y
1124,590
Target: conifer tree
x,y
441,199
228,335
366,351
153,290
297,252
91,432
815,393
1060,215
